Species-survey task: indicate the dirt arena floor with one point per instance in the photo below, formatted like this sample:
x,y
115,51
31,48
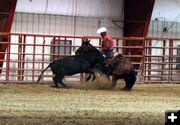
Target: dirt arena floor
x,y
87,104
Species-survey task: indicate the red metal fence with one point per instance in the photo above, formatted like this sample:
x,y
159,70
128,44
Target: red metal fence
x,y
28,54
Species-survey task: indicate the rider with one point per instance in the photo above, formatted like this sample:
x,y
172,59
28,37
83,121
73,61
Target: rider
x,y
107,43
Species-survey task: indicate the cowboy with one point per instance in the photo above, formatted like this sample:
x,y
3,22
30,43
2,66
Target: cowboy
x,y
107,43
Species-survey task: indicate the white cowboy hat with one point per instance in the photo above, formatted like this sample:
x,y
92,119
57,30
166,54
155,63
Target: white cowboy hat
x,y
101,30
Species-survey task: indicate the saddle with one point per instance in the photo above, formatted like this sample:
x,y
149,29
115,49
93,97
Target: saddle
x,y
113,59
112,62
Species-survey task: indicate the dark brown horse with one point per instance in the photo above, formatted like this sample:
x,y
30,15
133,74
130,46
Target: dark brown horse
x,y
119,67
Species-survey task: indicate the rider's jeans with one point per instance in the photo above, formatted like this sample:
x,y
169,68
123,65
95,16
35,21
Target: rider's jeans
x,y
108,54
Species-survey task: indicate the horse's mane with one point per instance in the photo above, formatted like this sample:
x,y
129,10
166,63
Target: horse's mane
x,y
87,48
94,48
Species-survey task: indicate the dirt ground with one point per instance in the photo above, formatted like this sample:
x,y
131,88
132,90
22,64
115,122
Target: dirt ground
x,y
83,104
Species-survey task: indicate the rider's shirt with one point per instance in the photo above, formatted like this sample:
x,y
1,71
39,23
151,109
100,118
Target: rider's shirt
x,y
107,43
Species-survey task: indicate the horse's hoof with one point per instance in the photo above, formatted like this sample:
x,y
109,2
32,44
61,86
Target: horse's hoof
x,y
87,80
53,86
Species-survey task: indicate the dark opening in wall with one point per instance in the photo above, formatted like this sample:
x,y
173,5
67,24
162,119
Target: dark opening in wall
x,y
60,48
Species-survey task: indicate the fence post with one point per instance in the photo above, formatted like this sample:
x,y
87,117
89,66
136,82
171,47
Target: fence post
x,y
43,51
149,59
33,62
23,57
8,57
163,58
143,58
19,56
170,59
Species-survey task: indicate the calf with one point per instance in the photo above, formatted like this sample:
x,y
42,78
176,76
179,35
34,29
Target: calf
x,y
72,65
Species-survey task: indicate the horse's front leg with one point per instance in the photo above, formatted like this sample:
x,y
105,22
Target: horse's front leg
x,y
114,81
90,74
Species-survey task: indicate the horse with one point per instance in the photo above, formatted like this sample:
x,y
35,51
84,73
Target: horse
x,y
119,67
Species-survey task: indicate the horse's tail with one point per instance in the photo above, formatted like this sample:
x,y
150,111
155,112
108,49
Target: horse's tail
x,y
132,77
133,74
43,72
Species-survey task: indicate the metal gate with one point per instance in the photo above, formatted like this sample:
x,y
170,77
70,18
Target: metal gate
x,y
28,54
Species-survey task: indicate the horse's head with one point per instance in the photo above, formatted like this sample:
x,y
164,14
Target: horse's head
x,y
86,48
90,52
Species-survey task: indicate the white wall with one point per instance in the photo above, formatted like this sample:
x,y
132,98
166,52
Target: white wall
x,y
61,25
168,9
85,8
156,29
